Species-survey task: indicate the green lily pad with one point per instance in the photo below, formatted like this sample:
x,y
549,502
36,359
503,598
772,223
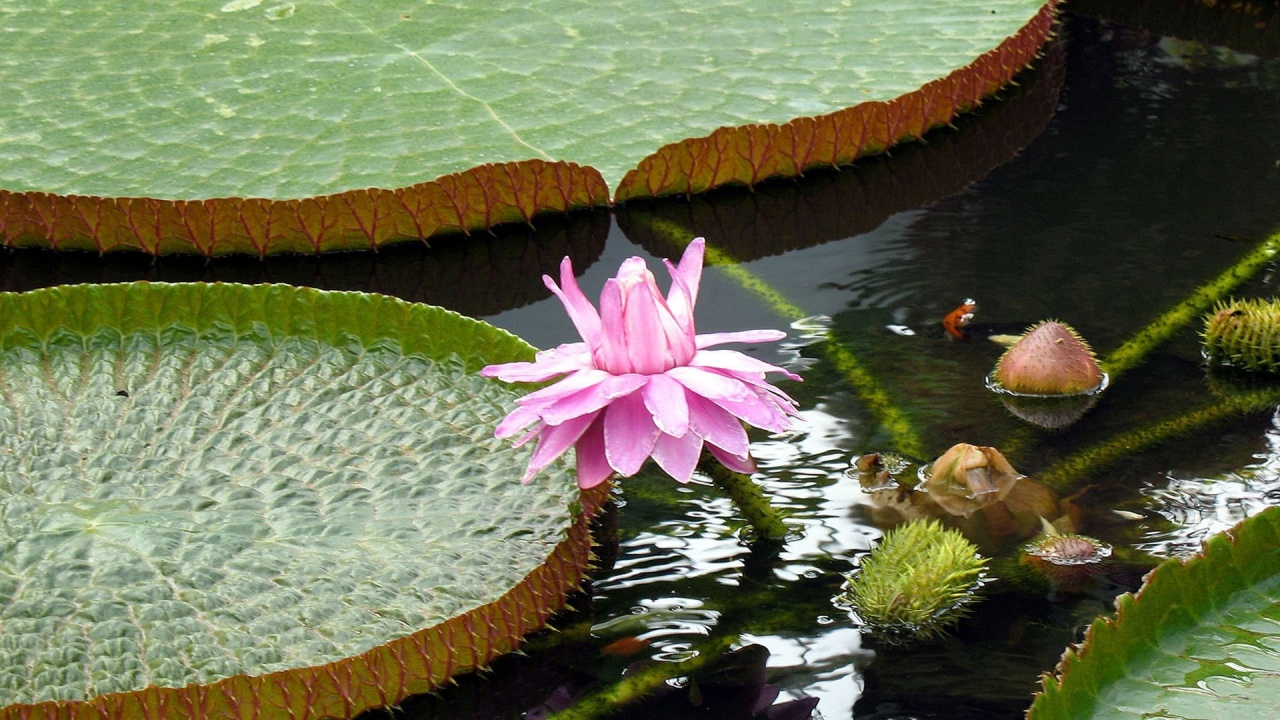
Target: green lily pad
x,y
261,488
800,214
465,115
1200,640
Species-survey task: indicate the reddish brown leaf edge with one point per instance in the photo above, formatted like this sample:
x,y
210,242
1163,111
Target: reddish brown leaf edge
x,y
749,154
494,194
381,677
751,224
480,198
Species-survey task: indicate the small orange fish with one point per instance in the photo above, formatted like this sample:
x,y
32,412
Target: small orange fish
x,y
957,319
625,647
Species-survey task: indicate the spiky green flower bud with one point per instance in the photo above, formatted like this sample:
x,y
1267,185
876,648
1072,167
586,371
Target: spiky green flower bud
x,y
916,582
1244,334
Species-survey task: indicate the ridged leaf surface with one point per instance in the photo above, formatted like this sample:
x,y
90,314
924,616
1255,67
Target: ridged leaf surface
x,y
230,493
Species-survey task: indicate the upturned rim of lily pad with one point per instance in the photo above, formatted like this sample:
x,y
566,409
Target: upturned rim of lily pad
x,y
519,184
428,656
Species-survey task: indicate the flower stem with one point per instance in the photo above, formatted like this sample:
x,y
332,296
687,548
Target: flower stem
x,y
749,499
1134,349
873,396
642,682
1086,462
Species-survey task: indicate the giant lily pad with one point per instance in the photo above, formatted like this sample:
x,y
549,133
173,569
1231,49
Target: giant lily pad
x,y
146,125
822,207
260,501
1200,640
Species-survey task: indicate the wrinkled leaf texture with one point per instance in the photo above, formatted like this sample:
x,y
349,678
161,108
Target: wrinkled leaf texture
x,y
261,502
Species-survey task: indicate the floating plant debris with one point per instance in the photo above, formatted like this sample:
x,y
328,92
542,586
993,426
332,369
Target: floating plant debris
x,y
966,477
880,470
956,320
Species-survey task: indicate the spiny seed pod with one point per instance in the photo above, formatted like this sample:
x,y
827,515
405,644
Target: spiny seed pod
x,y
1050,359
1244,334
916,582
1067,562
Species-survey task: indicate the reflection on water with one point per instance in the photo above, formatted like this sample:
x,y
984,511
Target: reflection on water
x,y
1197,507
478,275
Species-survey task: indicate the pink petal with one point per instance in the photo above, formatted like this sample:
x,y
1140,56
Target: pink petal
x,y
736,362
580,310
553,441
632,270
716,425
563,350
689,272
520,441
593,465
761,411
619,385
678,456
761,387
682,312
737,463
780,400
515,421
611,352
759,406
709,383
685,279
537,371
629,434
592,398
742,336
665,401
648,343
680,339
569,385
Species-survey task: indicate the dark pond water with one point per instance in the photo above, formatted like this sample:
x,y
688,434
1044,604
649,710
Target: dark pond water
x,y
1125,171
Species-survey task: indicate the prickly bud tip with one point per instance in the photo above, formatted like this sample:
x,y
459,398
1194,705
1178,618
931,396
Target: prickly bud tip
x,y
1245,334
1050,359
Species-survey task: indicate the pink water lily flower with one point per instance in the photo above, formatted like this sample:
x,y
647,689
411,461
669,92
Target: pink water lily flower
x,y
643,384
